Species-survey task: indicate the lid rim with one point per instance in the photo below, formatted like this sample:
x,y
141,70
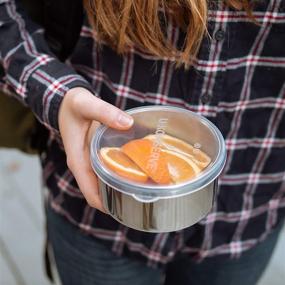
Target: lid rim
x,y
162,191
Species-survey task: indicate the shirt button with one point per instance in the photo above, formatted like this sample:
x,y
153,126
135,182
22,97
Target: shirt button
x,y
212,5
206,98
219,35
48,3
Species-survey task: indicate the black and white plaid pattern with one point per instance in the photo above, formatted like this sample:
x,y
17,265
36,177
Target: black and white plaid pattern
x,y
238,82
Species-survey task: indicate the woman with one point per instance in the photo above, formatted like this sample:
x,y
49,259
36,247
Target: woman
x,y
222,59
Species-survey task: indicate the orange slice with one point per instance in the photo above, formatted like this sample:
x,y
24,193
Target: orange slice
x,y
171,143
181,167
117,161
149,158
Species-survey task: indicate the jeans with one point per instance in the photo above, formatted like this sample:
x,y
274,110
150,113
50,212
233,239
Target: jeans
x,y
82,260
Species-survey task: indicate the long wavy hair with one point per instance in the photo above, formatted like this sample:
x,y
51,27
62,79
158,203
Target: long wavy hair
x,y
141,23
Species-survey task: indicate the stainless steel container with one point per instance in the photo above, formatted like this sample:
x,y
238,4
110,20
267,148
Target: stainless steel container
x,y
156,208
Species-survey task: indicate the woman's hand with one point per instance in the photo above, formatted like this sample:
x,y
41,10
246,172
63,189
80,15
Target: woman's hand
x,y
79,115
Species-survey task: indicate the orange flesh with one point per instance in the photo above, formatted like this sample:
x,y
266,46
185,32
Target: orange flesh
x,y
143,160
122,159
179,169
142,152
196,153
126,164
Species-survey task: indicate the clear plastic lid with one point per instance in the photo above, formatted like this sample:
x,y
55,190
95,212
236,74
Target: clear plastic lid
x,y
169,151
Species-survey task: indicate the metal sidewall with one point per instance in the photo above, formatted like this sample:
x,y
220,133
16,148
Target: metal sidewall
x,y
164,215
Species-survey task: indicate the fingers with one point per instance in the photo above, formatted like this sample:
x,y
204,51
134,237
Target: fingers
x,y
78,110
79,163
92,129
107,114
93,108
88,185
74,135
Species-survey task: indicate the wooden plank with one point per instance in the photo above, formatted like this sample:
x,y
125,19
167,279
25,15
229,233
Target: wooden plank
x,y
20,228
23,175
7,267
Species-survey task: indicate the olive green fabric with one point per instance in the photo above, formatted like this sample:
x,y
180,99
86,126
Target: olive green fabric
x,y
17,124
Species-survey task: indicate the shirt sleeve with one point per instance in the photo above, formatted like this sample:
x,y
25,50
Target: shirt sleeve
x,y
35,75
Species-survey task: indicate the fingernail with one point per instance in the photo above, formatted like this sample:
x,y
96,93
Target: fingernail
x,y
125,120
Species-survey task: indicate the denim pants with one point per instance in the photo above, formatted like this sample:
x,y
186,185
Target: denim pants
x,y
82,260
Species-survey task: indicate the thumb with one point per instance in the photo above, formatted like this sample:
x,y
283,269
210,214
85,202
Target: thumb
x,y
93,108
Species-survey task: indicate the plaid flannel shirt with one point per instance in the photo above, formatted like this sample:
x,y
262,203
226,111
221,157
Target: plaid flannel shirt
x,y
237,81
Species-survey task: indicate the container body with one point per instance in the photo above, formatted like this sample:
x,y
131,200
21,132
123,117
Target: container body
x,y
160,208
162,215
